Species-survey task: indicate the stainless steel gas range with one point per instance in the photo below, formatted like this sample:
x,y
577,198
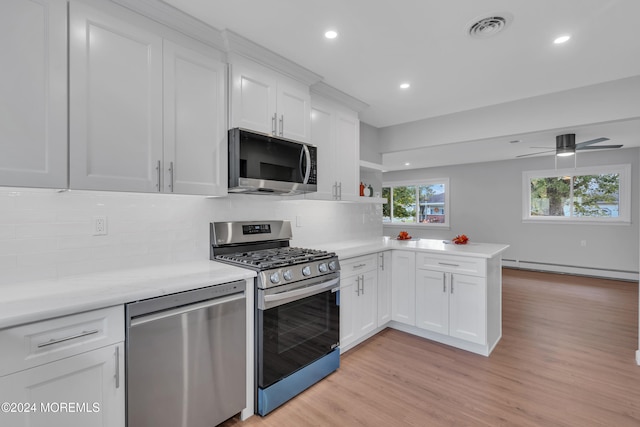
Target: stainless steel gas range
x,y
297,317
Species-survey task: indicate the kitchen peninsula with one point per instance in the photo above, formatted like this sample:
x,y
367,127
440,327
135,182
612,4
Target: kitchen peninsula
x,y
431,288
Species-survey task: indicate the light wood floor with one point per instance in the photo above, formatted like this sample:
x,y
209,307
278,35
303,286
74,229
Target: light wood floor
x,y
566,358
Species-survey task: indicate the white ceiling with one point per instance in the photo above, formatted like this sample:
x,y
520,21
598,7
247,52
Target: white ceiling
x,y
425,42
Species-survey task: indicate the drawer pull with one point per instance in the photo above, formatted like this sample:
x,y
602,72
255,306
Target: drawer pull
x,y
53,341
359,266
449,264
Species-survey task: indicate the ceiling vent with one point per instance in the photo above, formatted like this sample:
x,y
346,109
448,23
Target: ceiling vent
x,y
488,26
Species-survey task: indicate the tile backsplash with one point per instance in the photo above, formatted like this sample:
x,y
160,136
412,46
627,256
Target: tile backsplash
x,y
47,234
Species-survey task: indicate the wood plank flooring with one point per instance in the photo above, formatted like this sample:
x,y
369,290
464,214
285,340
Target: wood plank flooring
x,y
566,358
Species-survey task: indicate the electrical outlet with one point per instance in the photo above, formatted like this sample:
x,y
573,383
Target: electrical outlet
x,y
99,225
298,221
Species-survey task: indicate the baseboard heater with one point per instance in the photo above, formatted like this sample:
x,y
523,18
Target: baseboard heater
x,y
606,273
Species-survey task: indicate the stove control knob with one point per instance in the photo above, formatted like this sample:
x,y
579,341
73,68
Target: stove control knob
x,y
322,267
332,265
275,277
306,271
288,275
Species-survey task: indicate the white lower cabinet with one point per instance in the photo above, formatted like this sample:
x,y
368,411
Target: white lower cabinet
x,y
358,300
403,270
451,304
86,390
66,372
384,288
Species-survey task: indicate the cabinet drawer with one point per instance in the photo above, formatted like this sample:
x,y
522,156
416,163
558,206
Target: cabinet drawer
x,y
452,263
358,265
42,342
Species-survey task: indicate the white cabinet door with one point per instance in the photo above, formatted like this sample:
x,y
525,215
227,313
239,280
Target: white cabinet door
x,y
253,99
403,271
336,132
294,111
92,382
432,301
33,93
195,127
384,288
347,162
467,306
367,303
115,103
323,136
348,286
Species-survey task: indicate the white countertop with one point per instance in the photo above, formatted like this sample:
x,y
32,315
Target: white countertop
x,y
33,301
353,248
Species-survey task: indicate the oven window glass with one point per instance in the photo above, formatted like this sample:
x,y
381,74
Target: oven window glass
x,y
295,334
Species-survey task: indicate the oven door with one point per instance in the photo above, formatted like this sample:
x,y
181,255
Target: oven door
x,y
296,325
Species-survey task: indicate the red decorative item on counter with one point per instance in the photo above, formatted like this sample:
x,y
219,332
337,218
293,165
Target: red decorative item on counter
x,y
403,236
460,239
361,189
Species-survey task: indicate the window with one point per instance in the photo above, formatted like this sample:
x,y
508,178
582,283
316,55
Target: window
x,y
423,204
592,194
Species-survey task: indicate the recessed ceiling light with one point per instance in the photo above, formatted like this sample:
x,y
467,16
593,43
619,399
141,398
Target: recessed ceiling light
x,y
405,86
331,34
562,39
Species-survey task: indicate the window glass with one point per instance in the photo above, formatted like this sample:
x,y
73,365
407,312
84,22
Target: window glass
x,y
596,194
423,203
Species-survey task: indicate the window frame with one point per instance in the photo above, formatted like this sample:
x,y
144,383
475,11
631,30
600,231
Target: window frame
x,y
624,194
426,182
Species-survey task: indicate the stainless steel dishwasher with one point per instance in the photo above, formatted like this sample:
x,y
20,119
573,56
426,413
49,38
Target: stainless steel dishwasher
x,y
186,357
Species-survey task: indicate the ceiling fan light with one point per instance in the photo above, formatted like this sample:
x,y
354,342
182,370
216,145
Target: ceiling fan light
x,y
565,153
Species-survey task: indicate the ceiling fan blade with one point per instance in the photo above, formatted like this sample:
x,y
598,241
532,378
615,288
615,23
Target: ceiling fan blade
x,y
599,147
593,141
533,154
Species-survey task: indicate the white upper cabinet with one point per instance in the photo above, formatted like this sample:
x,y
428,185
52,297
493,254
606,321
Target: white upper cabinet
x,y
264,101
195,127
335,130
146,114
116,103
33,93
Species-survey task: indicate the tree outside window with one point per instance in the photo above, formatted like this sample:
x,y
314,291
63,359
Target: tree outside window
x,y
581,194
424,203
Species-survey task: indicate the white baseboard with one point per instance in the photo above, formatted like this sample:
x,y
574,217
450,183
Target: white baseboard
x,y
632,276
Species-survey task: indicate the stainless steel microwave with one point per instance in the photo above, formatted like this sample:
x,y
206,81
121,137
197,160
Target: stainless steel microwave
x,y
265,164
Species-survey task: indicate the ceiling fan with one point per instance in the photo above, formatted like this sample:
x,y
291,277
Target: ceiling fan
x,y
566,145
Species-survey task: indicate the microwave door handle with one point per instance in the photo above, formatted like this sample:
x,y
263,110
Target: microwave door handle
x,y
307,155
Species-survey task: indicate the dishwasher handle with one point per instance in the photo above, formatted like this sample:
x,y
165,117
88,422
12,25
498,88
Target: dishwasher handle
x,y
185,309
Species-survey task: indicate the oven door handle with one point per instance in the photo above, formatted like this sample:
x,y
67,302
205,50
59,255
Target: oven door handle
x,y
270,301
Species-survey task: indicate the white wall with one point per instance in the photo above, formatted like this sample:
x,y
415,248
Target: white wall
x,y
45,234
486,204
610,101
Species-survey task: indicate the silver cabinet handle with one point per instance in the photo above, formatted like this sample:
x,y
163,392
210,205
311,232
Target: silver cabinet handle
x,y
362,284
359,266
451,283
159,172
449,264
340,191
358,285
382,263
117,366
282,125
273,124
171,176
53,341
444,282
